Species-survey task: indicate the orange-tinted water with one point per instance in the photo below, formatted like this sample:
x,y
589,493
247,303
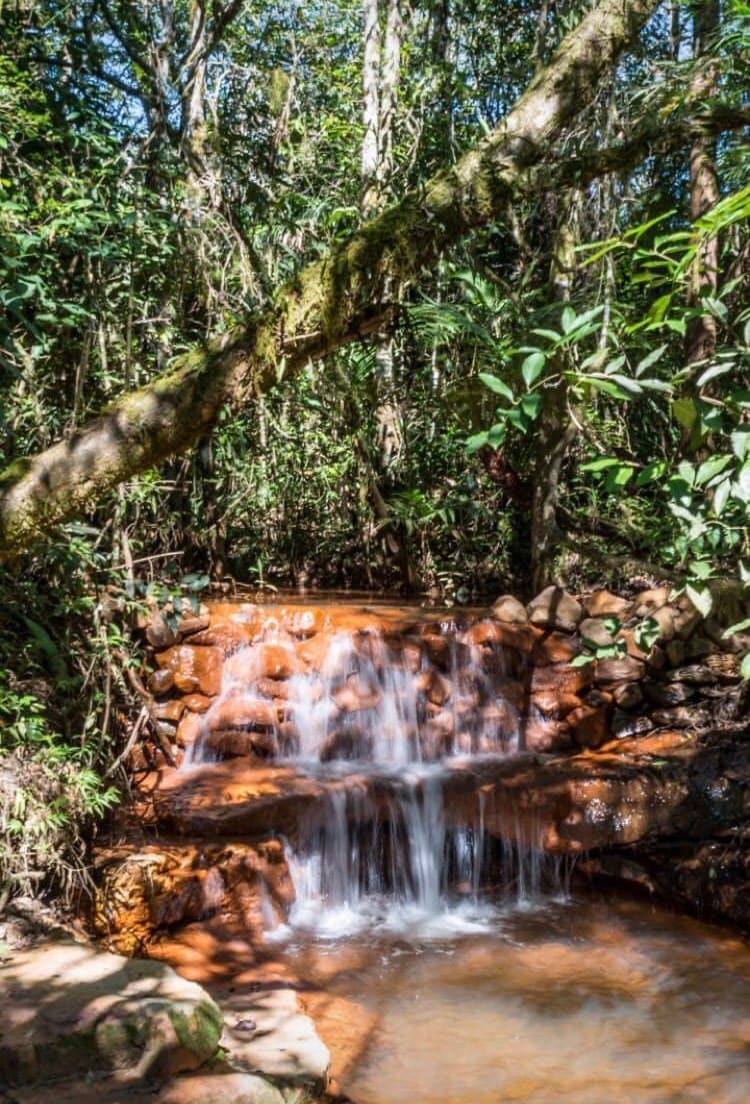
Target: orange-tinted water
x,y
589,1002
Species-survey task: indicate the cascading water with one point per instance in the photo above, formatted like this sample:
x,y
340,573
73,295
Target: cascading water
x,y
380,718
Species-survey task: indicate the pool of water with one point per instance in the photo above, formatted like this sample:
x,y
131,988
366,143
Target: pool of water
x,y
588,1001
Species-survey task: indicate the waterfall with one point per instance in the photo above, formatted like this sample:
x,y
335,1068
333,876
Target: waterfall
x,y
380,719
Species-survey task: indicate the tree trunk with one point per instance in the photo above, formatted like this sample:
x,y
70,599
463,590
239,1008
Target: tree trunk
x,y
700,342
340,298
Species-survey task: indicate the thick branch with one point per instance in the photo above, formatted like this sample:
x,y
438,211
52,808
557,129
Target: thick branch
x,y
335,300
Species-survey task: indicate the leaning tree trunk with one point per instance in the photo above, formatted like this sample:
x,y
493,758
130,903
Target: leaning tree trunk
x,y
340,298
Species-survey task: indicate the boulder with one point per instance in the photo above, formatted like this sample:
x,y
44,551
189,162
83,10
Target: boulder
x,y
561,678
189,729
72,1011
193,668
302,621
240,711
496,634
226,635
594,631
554,608
160,682
169,710
628,695
554,647
198,703
589,725
648,601
602,603
159,633
544,734
274,661
507,608
619,669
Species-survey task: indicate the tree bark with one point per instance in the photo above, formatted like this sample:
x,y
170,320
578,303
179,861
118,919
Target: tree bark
x,y
340,298
700,341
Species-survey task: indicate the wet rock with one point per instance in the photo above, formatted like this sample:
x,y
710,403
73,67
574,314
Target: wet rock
x,y
191,623
302,621
240,711
355,695
160,682
274,661
189,730
554,608
169,710
544,734
198,703
561,679
554,647
594,631
346,743
619,669
70,1010
193,668
434,686
497,634
241,742
602,603
667,693
159,633
226,635
625,724
589,725
551,704
628,696
437,648
167,729
507,608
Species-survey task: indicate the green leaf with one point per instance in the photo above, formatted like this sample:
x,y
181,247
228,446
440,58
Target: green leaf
x,y
582,660
652,358
701,599
496,435
531,405
478,441
740,441
721,496
568,319
646,634
600,465
712,373
497,385
709,468
745,667
652,472
532,368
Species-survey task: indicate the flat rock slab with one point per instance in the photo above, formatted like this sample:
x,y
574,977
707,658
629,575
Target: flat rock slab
x,y
70,1010
211,1087
283,1045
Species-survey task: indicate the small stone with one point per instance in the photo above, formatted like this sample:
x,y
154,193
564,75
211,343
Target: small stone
x,y
507,608
602,603
594,631
555,608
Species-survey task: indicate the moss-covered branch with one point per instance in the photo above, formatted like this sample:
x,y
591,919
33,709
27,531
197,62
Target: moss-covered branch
x,y
340,298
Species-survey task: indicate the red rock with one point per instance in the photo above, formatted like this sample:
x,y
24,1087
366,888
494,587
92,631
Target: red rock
x,y
602,603
590,725
302,621
237,742
551,704
169,710
434,686
633,649
189,730
198,703
355,695
193,668
542,734
554,647
438,649
487,634
263,660
435,646
227,635
561,678
239,711
314,652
